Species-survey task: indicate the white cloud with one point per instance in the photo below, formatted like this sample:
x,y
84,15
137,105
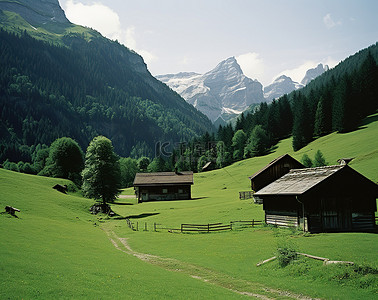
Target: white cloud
x,y
105,20
252,65
329,22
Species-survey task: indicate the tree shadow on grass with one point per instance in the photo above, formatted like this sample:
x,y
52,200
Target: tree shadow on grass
x,y
122,203
140,216
173,200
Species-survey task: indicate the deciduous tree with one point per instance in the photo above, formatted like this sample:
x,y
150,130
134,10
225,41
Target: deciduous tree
x,y
101,175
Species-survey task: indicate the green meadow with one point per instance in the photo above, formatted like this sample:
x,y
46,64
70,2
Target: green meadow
x,y
56,249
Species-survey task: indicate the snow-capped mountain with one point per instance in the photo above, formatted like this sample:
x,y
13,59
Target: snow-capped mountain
x,y
226,92
219,93
313,73
282,85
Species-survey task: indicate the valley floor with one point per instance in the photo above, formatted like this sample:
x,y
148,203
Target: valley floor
x,y
56,249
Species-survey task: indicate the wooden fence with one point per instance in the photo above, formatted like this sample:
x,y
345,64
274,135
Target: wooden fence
x,y
246,195
205,227
191,228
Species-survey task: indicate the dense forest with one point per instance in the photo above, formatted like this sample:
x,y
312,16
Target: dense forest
x,y
81,90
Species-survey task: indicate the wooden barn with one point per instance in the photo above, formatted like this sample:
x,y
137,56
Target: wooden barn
x,y
274,170
163,186
324,199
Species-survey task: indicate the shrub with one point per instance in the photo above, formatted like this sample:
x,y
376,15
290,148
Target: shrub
x,y
286,253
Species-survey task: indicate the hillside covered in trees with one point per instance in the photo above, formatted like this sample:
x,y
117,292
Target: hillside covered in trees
x,y
79,84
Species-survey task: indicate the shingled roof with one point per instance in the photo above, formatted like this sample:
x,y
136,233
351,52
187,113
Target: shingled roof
x,y
274,161
298,181
163,178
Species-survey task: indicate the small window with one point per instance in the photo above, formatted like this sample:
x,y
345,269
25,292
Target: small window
x,y
181,191
165,191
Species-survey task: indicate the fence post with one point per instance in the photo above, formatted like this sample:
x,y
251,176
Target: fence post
x,y
208,227
253,222
181,228
231,225
145,226
137,227
155,226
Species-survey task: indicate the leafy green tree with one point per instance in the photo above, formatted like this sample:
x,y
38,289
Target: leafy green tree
x,y
221,155
238,144
143,163
101,175
258,142
319,160
12,166
202,161
157,165
129,167
65,160
306,161
40,158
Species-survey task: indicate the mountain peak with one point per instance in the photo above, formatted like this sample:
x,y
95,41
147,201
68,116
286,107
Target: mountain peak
x,y
280,86
38,13
313,73
228,65
220,93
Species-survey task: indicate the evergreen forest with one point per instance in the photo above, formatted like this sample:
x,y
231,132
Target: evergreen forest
x,y
83,88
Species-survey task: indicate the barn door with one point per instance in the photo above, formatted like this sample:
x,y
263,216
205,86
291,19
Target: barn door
x,y
336,214
329,214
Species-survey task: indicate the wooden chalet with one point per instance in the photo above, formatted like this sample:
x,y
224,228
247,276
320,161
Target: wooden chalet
x,y
274,170
163,186
324,199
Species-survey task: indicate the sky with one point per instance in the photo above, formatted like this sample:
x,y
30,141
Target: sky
x,y
267,37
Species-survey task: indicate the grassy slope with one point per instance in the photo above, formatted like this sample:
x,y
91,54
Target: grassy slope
x,y
55,250
9,19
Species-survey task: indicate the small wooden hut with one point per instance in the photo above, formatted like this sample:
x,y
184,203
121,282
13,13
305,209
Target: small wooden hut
x,y
274,170
324,199
163,186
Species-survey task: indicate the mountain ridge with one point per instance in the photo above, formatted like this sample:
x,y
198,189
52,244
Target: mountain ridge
x,y
216,93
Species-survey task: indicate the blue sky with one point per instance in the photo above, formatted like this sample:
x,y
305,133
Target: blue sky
x,y
268,38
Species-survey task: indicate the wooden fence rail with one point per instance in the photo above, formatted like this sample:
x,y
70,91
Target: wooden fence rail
x,y
205,227
246,195
191,228
246,224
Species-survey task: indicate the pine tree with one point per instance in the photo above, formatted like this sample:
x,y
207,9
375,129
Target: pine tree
x,y
319,160
258,143
306,161
302,133
320,119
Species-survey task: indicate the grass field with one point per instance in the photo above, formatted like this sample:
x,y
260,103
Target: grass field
x,y
56,249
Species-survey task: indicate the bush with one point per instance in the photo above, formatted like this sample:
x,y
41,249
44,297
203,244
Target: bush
x,y
286,253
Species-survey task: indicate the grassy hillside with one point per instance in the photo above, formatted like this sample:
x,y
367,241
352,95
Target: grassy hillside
x,y
57,249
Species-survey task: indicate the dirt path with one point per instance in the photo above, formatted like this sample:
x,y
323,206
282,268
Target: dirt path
x,y
239,286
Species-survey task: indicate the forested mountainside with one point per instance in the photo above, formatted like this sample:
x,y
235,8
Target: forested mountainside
x,y
80,84
337,100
